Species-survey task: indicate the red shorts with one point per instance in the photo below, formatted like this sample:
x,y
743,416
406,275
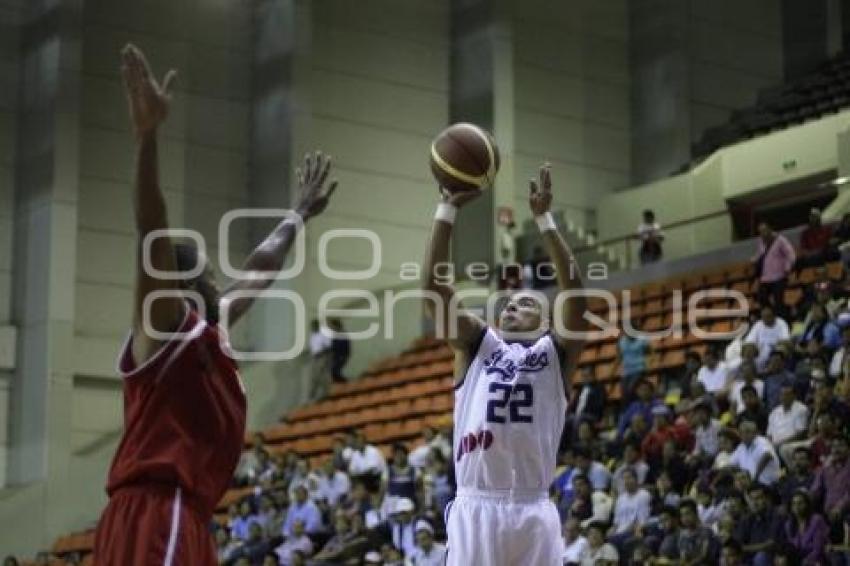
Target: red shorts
x,y
153,526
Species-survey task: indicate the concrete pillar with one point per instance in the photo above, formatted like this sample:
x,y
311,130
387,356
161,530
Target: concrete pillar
x,y
280,136
472,98
660,78
45,237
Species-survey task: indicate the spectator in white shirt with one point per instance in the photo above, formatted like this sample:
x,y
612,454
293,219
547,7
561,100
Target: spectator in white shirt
x,y
298,541
650,235
320,361
714,375
365,461
838,357
631,461
747,375
402,526
427,552
755,455
431,440
707,434
599,552
766,334
329,484
631,511
574,543
732,356
789,421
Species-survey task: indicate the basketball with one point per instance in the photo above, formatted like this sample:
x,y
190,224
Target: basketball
x,y
464,157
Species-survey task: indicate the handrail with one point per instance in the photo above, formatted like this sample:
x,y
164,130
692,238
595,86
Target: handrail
x,y
628,237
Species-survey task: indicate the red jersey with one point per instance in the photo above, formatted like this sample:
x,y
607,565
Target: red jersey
x,y
184,417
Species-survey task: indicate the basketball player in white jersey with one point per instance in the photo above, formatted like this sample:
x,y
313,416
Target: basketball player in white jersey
x,y
510,404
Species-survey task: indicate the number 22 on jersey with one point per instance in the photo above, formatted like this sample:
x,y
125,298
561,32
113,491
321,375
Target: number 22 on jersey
x,y
507,403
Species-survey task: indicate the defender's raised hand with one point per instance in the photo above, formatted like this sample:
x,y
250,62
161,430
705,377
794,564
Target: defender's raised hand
x,y
540,193
313,196
147,98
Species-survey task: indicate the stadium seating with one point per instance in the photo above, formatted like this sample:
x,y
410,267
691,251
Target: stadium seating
x,y
396,397
823,91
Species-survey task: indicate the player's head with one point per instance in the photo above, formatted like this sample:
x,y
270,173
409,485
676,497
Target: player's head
x,y
525,312
188,258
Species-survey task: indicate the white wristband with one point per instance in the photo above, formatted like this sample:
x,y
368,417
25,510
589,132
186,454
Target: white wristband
x,y
546,222
446,212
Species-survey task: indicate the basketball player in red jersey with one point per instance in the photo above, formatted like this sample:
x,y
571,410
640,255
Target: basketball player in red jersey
x,y
184,406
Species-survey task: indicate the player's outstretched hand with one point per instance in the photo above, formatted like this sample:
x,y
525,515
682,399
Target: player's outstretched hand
x,y
313,197
540,192
147,98
459,198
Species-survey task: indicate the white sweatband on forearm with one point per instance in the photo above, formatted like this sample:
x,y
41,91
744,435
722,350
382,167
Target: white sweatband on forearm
x,y
446,212
546,222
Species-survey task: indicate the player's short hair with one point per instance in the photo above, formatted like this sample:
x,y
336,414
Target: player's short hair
x,y
749,389
670,510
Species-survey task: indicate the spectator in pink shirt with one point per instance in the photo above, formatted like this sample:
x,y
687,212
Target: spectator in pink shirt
x,y
773,261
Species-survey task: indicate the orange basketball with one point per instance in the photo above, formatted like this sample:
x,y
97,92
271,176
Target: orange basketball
x,y
464,157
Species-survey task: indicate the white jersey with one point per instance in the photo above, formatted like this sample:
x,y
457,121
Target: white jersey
x,y
509,413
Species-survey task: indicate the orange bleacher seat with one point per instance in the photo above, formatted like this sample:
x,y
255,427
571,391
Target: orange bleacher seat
x,y
739,272
607,351
442,403
692,283
715,280
671,359
588,355
805,276
835,270
654,306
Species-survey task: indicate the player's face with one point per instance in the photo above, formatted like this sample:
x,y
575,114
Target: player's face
x,y
522,313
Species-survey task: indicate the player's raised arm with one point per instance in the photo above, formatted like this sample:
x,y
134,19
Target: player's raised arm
x,y
270,255
459,326
569,278
148,101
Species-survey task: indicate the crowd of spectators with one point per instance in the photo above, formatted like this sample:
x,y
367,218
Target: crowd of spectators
x,y
740,457
355,508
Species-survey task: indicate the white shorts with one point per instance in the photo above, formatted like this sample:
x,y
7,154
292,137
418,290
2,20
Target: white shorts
x,y
502,529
